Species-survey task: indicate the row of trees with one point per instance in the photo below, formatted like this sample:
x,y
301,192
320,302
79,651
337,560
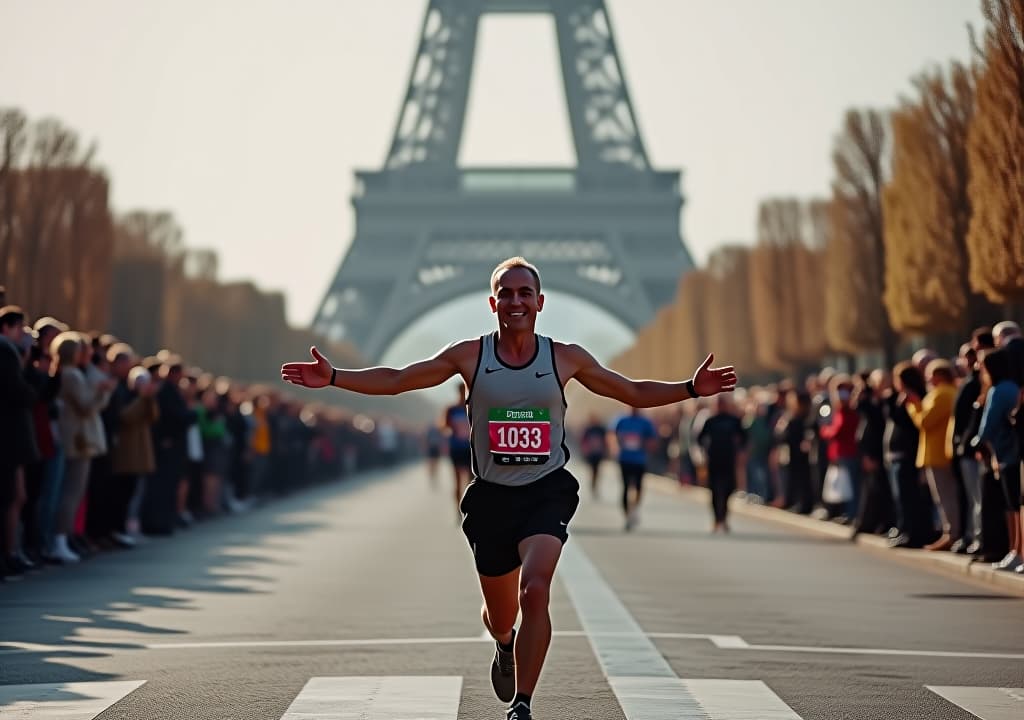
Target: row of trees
x,y
923,235
63,252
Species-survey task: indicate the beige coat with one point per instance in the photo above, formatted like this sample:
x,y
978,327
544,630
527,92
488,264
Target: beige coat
x,y
81,430
132,454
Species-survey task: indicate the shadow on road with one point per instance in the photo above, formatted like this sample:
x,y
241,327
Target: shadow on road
x,y
61,614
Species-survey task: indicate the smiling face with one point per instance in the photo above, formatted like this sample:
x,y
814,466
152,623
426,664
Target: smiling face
x,y
516,300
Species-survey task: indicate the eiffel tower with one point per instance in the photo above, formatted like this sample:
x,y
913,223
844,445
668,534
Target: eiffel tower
x,y
429,231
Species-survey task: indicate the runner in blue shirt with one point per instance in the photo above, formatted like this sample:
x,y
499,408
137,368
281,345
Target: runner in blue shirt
x,y
634,434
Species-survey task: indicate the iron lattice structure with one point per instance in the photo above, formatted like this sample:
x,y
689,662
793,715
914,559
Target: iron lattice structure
x,y
428,231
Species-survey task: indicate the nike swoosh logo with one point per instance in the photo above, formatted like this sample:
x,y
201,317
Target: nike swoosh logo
x,y
488,370
540,374
562,523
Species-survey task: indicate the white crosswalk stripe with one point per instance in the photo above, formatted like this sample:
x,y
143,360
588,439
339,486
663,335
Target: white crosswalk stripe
x,y
645,685
651,697
62,701
377,698
711,699
987,703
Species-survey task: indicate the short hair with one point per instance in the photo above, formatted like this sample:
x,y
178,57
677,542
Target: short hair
x,y
1006,329
983,337
139,376
119,349
11,315
50,322
999,365
941,368
66,346
511,263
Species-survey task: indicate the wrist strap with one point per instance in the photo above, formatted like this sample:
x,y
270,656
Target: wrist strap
x,y
690,389
334,374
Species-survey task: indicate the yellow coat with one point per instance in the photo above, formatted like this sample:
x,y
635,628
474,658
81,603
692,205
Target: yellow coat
x,y
933,418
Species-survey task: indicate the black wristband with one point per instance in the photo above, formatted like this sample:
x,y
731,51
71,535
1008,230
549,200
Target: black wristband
x,y
690,388
334,374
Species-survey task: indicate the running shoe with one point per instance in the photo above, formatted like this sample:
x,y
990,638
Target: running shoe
x,y
519,711
503,673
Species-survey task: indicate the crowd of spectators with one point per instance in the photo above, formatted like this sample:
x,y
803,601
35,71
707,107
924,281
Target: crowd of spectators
x,y
927,453
101,448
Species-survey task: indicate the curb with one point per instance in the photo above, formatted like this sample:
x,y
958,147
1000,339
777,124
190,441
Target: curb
x,y
958,566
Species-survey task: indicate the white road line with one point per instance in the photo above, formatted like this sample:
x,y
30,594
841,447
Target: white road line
x,y
645,685
620,645
723,642
984,702
883,651
62,701
377,698
739,700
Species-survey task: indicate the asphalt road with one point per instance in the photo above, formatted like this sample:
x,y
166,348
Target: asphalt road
x,y
358,601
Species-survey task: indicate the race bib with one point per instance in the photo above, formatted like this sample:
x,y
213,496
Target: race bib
x,y
632,441
520,436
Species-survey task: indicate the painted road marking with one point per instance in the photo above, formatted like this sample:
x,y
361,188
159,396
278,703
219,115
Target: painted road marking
x,y
377,698
722,642
987,703
645,685
710,699
62,701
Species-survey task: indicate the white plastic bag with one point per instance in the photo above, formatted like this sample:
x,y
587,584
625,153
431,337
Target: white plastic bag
x,y
838,486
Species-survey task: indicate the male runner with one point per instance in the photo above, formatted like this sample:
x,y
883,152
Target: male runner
x,y
594,444
634,435
522,498
456,422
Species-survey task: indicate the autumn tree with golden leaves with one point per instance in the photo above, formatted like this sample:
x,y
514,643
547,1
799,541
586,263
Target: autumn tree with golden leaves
x,y
995,148
928,210
855,316
730,331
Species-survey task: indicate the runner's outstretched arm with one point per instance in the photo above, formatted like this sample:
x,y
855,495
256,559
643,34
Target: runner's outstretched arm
x,y
644,393
376,380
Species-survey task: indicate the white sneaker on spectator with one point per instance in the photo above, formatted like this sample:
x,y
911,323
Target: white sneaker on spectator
x,y
123,539
61,551
1010,562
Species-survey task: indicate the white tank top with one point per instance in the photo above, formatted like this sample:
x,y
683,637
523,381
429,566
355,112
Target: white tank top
x,y
517,416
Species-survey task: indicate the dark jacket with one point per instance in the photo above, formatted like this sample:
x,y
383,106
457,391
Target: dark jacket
x,y
901,434
17,436
173,421
965,422
871,431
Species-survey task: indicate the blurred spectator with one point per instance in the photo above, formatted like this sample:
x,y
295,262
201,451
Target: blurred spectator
x,y
793,435
160,499
759,446
966,420
874,514
997,444
840,435
931,414
902,438
132,453
83,395
17,439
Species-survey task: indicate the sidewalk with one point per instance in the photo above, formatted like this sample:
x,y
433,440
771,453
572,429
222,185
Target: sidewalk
x,y
959,566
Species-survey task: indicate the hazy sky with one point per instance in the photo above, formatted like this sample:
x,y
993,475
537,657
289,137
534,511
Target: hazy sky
x,y
246,117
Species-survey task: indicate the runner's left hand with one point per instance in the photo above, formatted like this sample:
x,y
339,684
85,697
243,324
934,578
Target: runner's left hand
x,y
711,381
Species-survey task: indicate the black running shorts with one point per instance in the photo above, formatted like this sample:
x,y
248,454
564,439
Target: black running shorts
x,y
461,457
495,518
